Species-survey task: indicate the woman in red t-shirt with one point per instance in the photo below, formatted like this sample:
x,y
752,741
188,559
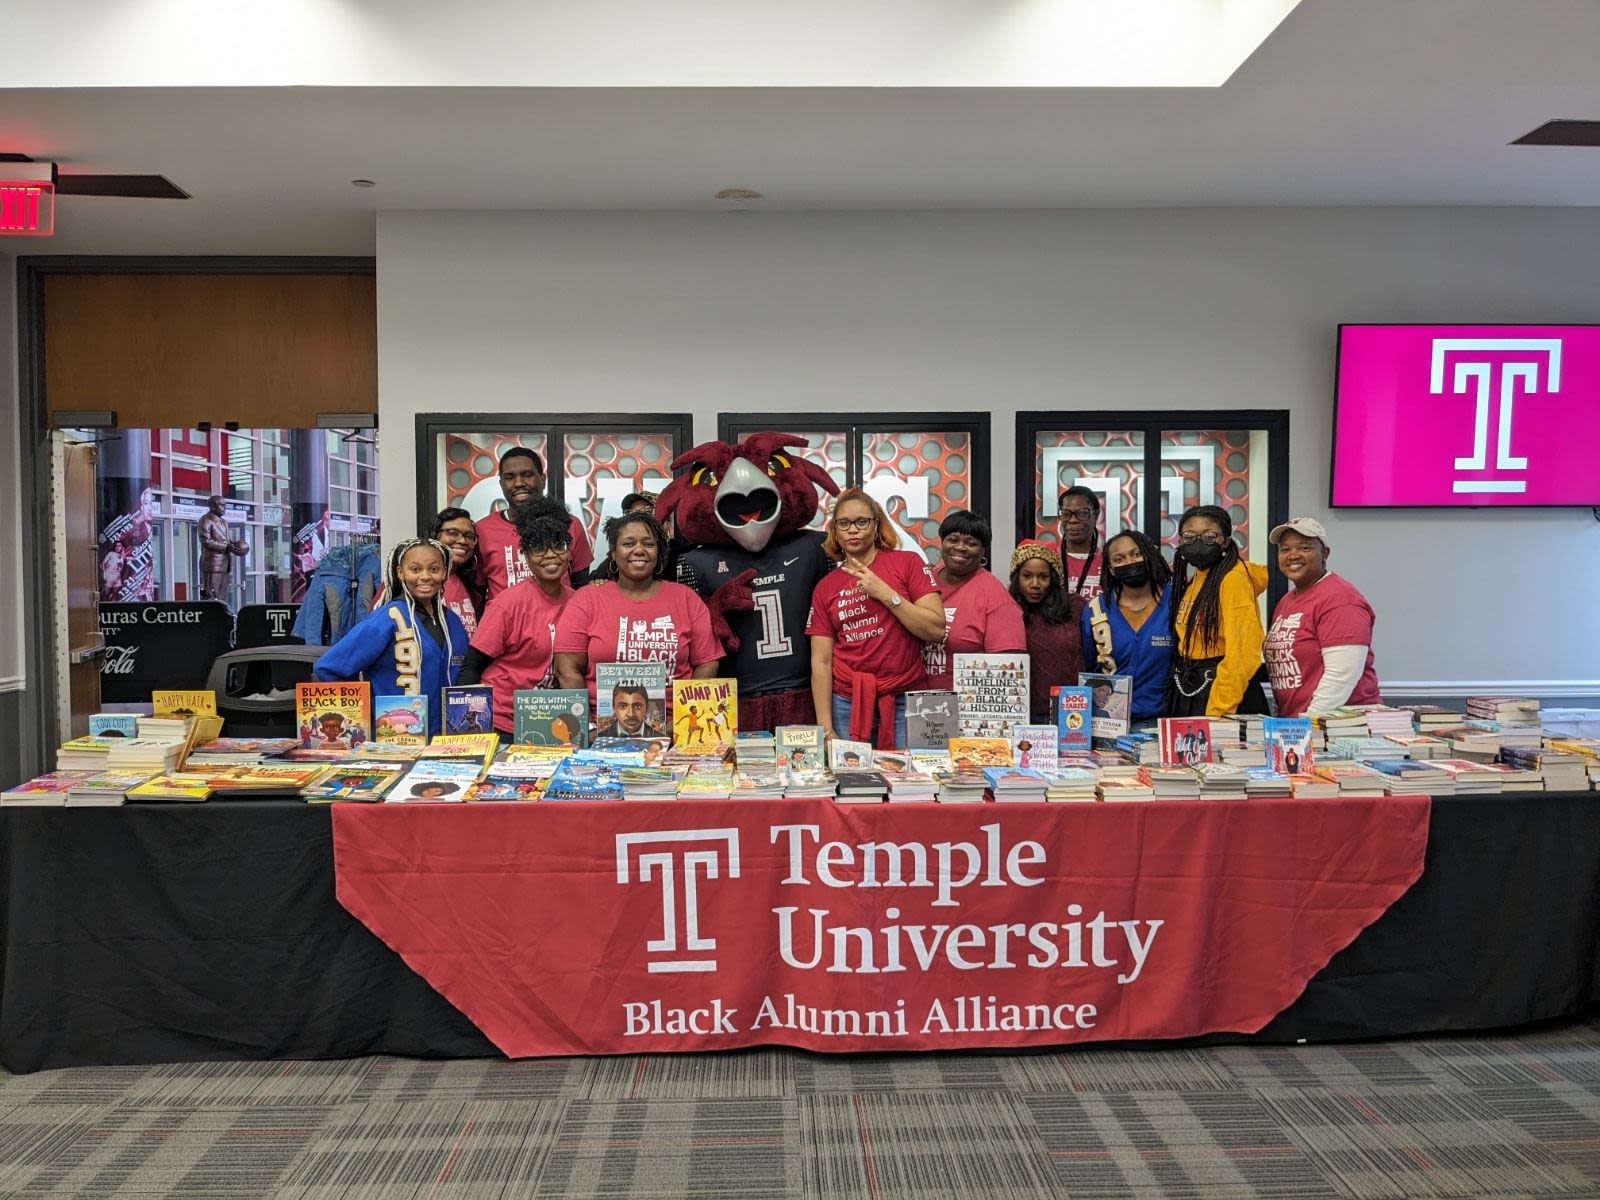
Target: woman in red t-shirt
x,y
464,593
513,646
980,615
869,620
1050,619
636,617
1319,649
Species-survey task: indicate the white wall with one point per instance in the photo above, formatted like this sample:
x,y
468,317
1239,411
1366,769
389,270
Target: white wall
x,y
1205,309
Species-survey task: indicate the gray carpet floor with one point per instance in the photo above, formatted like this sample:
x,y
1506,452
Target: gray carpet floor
x,y
1512,1115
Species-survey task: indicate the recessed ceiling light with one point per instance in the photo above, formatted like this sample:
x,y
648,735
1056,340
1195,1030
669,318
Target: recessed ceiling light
x,y
739,194
362,183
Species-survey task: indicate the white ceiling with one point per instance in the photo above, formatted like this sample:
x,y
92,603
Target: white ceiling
x,y
1348,102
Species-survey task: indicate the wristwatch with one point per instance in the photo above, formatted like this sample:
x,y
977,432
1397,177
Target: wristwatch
x,y
894,599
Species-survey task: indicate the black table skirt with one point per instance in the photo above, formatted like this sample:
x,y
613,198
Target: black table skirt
x,y
170,933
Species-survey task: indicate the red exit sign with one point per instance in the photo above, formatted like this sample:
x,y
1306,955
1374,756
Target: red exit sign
x,y
27,209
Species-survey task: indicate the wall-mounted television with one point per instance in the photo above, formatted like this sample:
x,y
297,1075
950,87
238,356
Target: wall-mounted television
x,y
1467,416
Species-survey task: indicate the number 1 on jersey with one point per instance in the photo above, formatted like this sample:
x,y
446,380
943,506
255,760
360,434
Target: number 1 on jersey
x,y
775,641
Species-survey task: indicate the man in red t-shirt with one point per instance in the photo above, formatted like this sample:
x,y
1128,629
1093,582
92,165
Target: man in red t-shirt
x,y
499,551
1319,648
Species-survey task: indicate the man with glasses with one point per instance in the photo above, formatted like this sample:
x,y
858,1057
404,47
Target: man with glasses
x,y
1080,539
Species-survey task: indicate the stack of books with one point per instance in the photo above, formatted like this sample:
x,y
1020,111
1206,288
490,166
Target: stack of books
x,y
1470,742
1588,748
1317,784
1008,784
151,755
229,751
756,750
105,789
358,780
808,783
435,781
46,790
1174,783
911,787
1430,717
517,781
708,779
1402,777
961,787
750,783
1219,781
1561,770
191,788
1117,790
1364,749
1341,723
1355,779
1383,721
1516,779
1247,727
1263,783
1419,747
1518,709
1472,779
168,728
246,779
861,787
1240,754
86,753
1072,785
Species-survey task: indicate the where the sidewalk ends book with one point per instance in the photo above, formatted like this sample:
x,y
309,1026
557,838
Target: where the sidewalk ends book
x,y
551,717
183,702
1112,708
400,720
1185,741
1074,708
629,677
1288,741
333,716
991,693
705,715
931,718
469,709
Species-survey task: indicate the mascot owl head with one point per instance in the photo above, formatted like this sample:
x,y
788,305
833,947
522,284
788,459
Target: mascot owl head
x,y
746,493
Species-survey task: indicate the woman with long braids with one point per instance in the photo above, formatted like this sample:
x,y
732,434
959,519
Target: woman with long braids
x,y
1216,626
1050,621
1127,628
412,644
636,617
1081,560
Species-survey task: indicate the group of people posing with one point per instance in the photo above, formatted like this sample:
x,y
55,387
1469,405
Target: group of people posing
x,y
516,600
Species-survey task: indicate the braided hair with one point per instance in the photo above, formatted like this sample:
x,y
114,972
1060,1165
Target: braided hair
x,y
1160,573
1093,498
394,587
1205,615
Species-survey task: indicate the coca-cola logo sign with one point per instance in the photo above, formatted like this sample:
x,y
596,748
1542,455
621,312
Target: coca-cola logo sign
x,y
160,645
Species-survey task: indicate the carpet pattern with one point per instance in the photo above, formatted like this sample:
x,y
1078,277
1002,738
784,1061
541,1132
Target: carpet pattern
x,y
1502,1116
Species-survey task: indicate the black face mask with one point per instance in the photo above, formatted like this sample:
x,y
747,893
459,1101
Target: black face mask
x,y
1201,556
1132,575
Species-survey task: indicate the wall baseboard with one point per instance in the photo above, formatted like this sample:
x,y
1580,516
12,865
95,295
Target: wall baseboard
x,y
1554,689
12,683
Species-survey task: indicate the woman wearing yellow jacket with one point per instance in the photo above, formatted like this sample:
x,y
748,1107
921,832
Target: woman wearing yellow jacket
x,y
1216,626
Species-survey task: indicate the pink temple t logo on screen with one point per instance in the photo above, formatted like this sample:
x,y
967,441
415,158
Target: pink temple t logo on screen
x,y
673,864
1467,415
1477,377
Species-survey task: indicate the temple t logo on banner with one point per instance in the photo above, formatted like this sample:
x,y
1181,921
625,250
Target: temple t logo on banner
x,y
678,853
1515,359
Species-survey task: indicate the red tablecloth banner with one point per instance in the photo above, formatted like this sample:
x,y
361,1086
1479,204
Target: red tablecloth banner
x,y
563,928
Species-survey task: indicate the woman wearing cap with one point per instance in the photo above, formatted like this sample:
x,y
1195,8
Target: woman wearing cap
x,y
412,645
1216,627
980,615
869,620
1127,629
1319,649
1050,623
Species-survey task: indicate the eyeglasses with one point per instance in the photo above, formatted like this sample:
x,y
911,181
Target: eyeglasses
x,y
854,522
549,552
458,535
1077,514
1209,537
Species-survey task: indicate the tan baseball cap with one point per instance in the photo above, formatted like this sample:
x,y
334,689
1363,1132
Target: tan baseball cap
x,y
1305,526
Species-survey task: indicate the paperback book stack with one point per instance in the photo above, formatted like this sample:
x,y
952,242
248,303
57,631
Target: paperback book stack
x,y
1319,784
708,779
1009,784
756,750
1588,748
650,783
1218,781
1241,754
1367,750
1263,783
1383,721
174,786
1516,779
47,790
1341,723
86,753
357,780
1117,790
1402,777
962,787
104,789
151,755
911,787
750,783
808,783
1141,746
1470,742
1420,747
1518,709
238,751
1517,735
1471,779
584,781
1174,783
511,781
1073,785
861,787
1430,717
1250,727
1356,780
1561,770
1114,766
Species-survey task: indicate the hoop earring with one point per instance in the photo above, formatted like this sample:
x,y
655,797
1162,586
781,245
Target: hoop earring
x,y
983,562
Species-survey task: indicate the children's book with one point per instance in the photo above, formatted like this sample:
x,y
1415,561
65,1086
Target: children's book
x,y
469,709
975,753
400,719
1074,710
362,780
1288,741
849,756
171,787
708,781
705,715
48,789
464,746
551,717
630,700
435,781
332,716
991,693
1185,741
1111,705
183,702
114,725
931,720
800,746
584,781
510,781
930,762
1035,746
